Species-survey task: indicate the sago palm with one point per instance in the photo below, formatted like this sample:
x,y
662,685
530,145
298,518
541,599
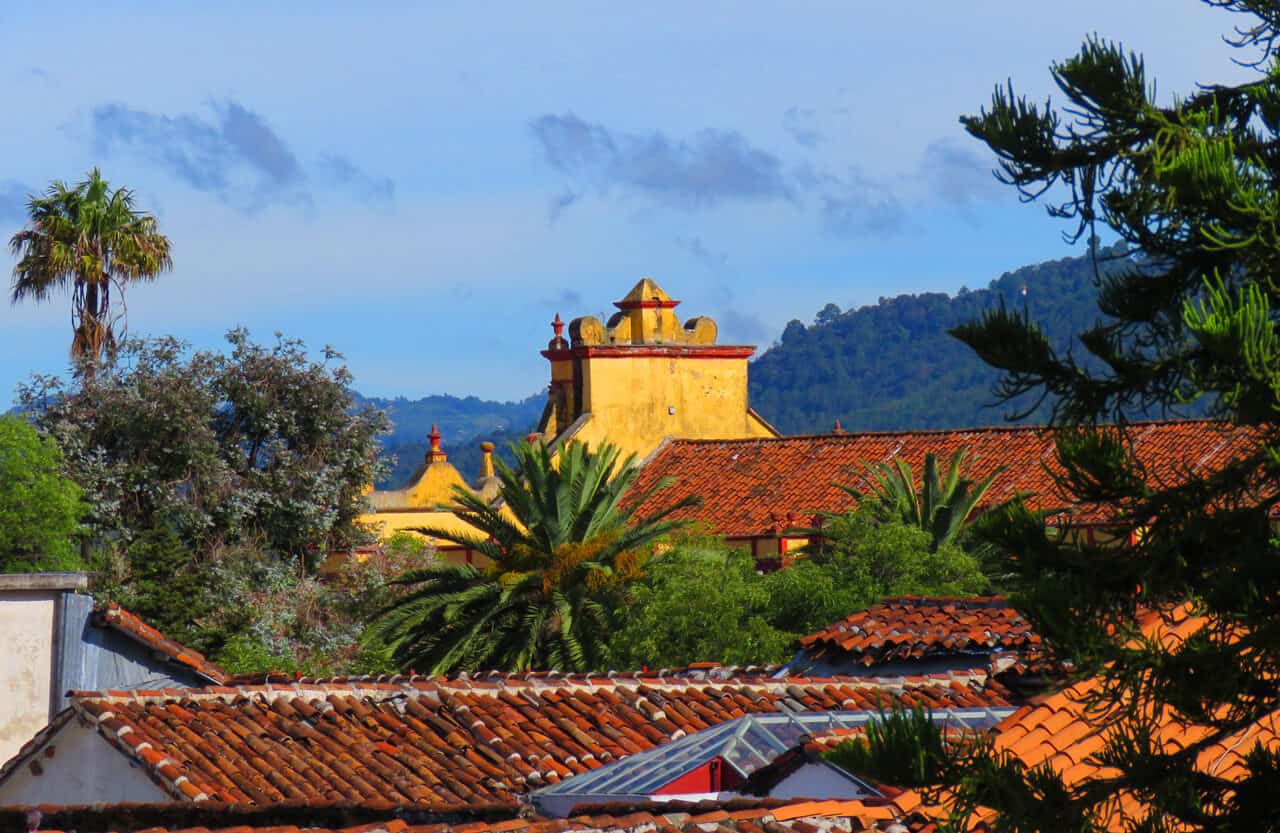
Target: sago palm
x,y
90,240
555,565
941,505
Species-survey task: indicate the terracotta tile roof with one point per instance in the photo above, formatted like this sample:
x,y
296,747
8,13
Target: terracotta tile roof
x,y
1066,730
438,741
913,628
117,618
733,816
759,487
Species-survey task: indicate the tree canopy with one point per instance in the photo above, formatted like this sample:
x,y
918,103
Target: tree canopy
x,y
88,239
702,601
259,445
941,505
40,510
555,553
1192,187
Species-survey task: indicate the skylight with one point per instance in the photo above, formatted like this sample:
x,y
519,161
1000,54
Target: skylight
x,y
747,743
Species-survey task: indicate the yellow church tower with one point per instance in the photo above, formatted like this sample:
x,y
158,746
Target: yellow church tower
x,y
643,376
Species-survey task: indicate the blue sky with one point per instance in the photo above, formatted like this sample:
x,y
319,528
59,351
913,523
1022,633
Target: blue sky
x,y
424,185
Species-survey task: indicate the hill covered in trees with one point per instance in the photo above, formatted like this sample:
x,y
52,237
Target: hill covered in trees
x,y
463,422
885,366
892,365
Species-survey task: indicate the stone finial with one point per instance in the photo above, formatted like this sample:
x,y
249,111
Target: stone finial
x,y
586,330
558,341
435,455
486,458
646,293
837,428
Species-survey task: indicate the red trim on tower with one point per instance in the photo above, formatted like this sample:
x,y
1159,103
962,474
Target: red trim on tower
x,y
629,351
652,303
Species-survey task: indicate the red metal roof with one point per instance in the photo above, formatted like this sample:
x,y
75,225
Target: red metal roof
x,y
918,628
116,617
437,741
760,487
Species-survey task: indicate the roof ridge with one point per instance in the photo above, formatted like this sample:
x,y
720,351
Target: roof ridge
x,y
848,435
131,625
429,686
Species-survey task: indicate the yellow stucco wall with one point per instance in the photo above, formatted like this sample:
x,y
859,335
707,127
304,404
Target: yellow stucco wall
x,y
636,402
643,378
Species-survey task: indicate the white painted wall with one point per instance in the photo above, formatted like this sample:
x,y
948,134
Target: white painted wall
x,y
817,779
78,766
26,665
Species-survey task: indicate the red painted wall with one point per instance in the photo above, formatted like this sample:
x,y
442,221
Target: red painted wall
x,y
713,776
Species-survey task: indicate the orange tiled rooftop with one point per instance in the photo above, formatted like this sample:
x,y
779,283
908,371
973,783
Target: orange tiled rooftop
x,y
437,741
761,487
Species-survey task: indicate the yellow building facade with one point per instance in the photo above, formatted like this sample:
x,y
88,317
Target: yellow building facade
x,y
429,500
643,376
639,378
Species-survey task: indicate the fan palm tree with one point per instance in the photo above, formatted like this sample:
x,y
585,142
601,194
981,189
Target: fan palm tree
x,y
89,239
556,563
941,505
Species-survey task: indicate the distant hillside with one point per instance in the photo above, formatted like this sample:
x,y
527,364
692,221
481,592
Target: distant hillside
x,y
463,423
881,367
893,366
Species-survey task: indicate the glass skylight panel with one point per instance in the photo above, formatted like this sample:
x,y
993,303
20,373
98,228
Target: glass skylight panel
x,y
747,744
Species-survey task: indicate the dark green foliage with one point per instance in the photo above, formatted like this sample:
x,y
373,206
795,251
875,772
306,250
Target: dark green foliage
x,y
40,510
700,601
699,604
891,366
889,558
941,505
902,747
559,551
167,588
252,611
260,446
1193,186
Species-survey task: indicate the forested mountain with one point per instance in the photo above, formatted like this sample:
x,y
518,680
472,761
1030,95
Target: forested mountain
x,y
892,365
463,423
886,366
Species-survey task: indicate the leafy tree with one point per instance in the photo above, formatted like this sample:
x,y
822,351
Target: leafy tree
x,y
161,582
882,559
87,238
826,315
40,510
699,604
1192,185
254,611
902,747
258,447
701,601
941,505
555,563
